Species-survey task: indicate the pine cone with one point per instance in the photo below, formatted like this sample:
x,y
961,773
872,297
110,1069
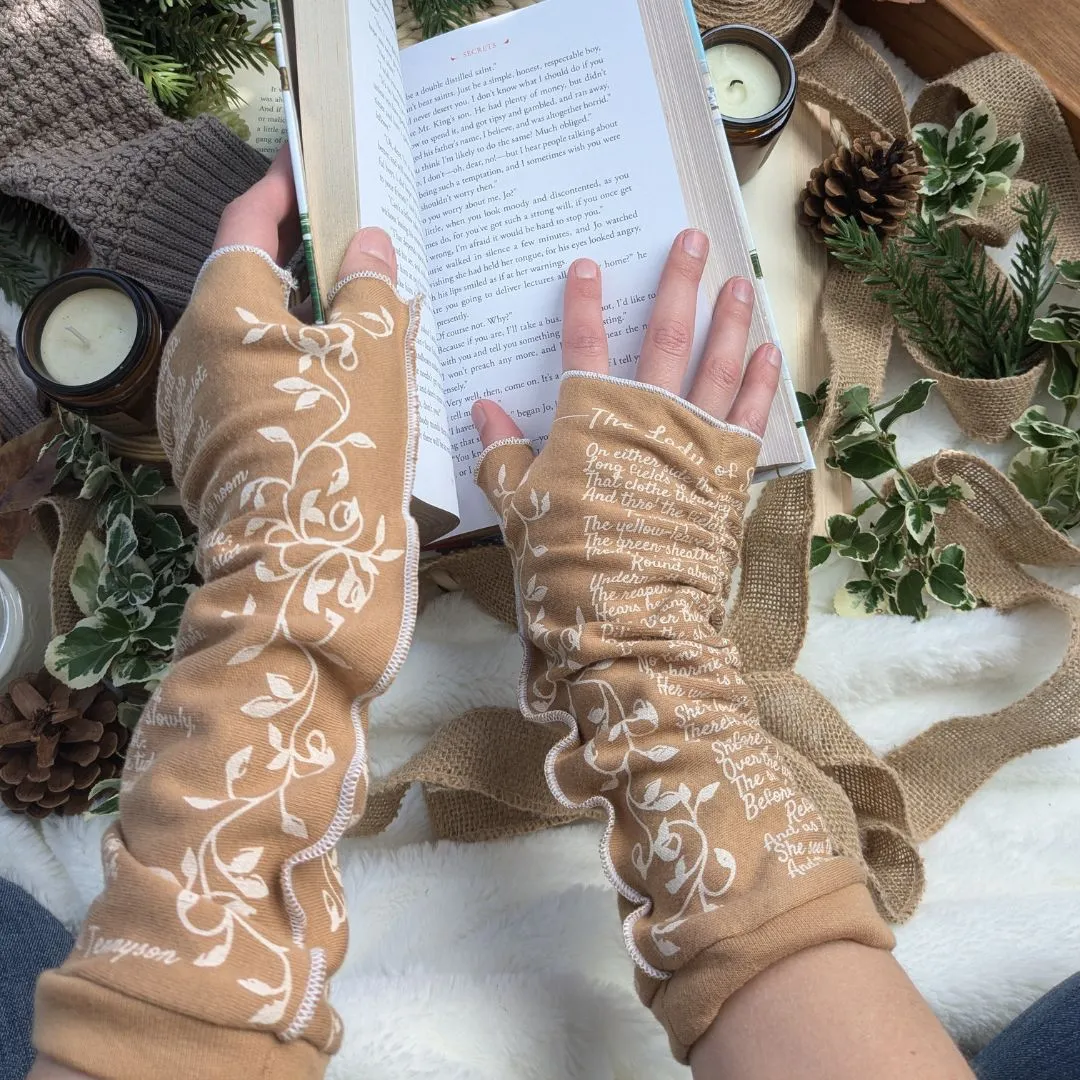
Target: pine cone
x,y
876,182
55,744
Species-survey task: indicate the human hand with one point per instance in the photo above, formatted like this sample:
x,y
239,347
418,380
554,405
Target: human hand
x,y
265,217
720,387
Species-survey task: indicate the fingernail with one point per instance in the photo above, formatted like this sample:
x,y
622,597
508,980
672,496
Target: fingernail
x,y
376,242
695,243
586,268
479,417
772,356
742,290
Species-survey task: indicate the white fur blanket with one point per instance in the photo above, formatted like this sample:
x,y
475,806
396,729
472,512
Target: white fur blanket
x,y
505,960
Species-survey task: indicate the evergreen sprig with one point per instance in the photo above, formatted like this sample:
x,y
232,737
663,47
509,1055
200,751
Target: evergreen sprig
x,y
185,51
438,16
944,293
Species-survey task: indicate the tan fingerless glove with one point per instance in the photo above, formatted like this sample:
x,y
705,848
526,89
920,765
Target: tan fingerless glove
x,y
625,532
208,954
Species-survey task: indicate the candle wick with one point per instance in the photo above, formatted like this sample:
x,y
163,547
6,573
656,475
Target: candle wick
x,y
735,82
85,341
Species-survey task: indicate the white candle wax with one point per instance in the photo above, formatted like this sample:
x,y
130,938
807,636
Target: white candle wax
x,y
747,83
87,335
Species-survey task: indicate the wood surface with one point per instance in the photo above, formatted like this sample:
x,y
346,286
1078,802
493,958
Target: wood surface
x,y
937,36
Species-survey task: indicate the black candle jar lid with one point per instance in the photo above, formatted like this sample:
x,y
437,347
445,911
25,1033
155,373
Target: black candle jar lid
x,y
741,34
149,323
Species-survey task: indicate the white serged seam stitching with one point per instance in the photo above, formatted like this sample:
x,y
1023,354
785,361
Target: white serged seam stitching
x,y
374,274
570,741
358,766
288,282
513,440
690,407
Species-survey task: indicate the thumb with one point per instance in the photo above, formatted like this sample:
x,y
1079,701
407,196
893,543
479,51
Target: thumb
x,y
492,423
369,250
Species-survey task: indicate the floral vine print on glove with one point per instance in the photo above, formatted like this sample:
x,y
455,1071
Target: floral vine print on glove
x,y
293,448
313,553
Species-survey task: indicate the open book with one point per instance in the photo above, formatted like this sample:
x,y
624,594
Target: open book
x,y
496,154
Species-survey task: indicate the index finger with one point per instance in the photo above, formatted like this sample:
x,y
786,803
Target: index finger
x,y
265,216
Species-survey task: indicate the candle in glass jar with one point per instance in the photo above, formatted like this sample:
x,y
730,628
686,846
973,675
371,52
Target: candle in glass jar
x,y
87,336
746,81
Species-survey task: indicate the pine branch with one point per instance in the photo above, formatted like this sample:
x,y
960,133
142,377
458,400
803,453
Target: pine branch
x,y
982,304
33,243
1033,272
905,288
438,16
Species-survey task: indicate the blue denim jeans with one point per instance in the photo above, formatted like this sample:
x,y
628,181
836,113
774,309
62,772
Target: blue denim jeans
x,y
31,941
1042,1043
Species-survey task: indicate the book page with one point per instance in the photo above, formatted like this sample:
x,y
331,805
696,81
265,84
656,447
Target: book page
x,y
389,199
534,146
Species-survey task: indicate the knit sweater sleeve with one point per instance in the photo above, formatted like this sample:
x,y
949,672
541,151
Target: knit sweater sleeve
x,y
223,918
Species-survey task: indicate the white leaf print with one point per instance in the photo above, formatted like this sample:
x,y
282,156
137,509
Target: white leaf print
x,y
246,492
665,947
249,605
545,503
273,734
263,572
337,916
651,792
262,707
315,588
708,791
307,400
255,334
237,765
245,654
246,315
661,753
679,880
269,1014
339,480
725,858
666,802
335,659
254,525
596,716
358,438
189,865
278,761
304,364
199,803
293,385
165,875
280,686
609,785
240,907
257,986
246,860
293,825
644,710
185,901
275,434
214,957
684,793
308,510
254,888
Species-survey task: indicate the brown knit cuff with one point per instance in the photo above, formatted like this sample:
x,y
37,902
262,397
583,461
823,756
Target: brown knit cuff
x,y
691,999
167,239
112,1036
